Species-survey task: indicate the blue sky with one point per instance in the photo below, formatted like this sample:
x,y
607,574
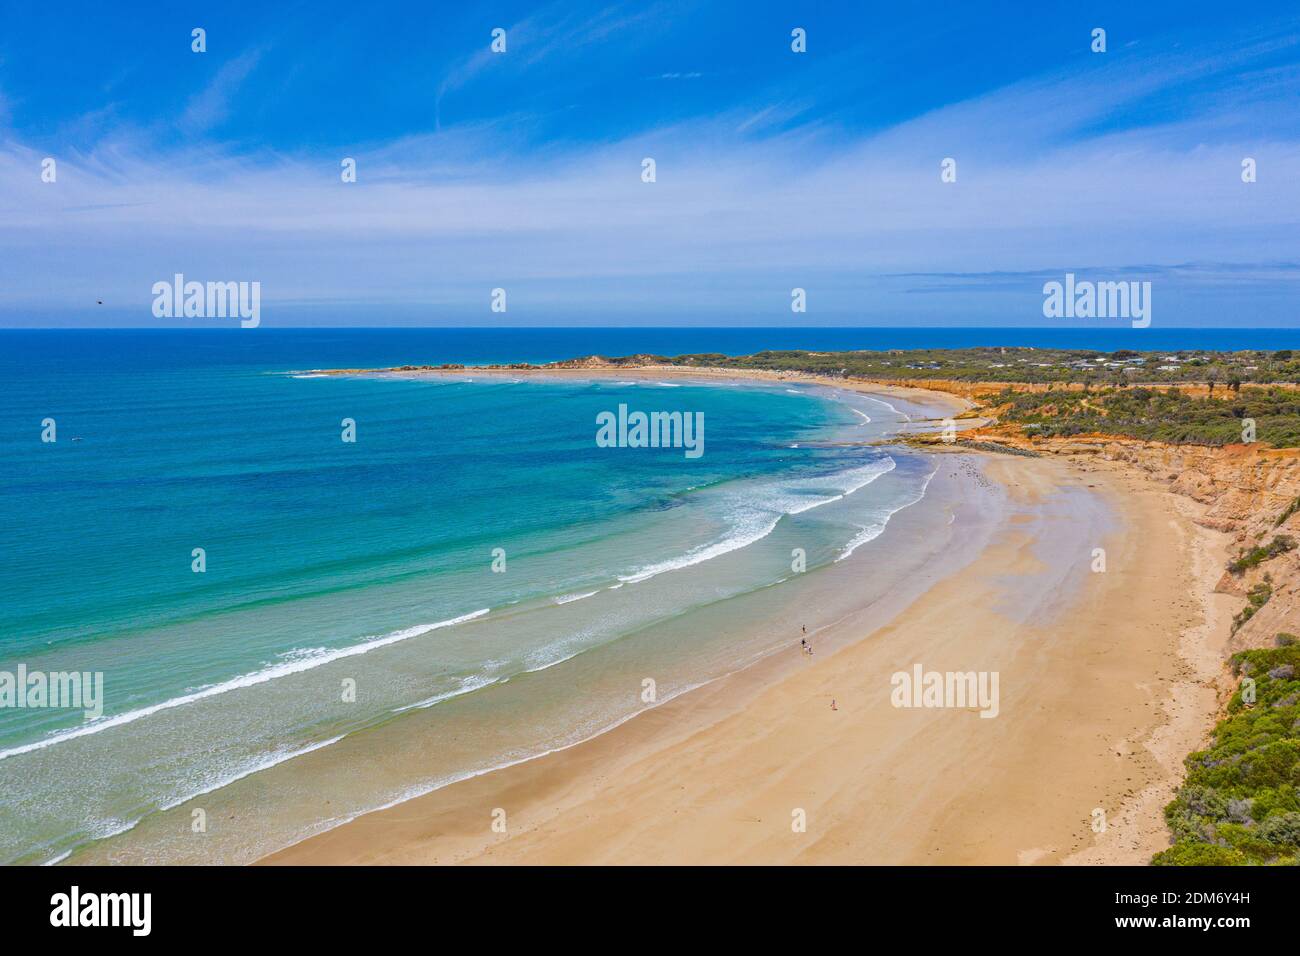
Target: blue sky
x,y
774,169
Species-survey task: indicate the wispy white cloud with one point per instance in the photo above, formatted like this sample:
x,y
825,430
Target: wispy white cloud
x,y
211,106
555,31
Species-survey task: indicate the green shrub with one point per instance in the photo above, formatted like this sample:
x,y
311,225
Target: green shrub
x,y
1256,598
1280,544
1199,854
1240,802
1282,829
1291,509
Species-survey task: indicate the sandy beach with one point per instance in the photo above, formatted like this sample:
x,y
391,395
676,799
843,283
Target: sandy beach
x,y
942,403
1106,681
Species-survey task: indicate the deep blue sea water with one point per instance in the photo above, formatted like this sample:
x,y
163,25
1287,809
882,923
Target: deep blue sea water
x,y
130,349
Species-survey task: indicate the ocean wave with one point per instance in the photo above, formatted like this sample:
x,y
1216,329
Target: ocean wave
x,y
761,510
880,401
570,598
266,762
284,668
741,539
874,530
467,686
111,828
421,789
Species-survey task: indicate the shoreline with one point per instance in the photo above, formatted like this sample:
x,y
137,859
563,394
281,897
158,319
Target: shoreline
x,y
953,404
713,726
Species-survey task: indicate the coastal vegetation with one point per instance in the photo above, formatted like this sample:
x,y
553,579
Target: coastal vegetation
x,y
1176,397
1270,414
1291,509
1256,598
1220,371
1240,802
1256,556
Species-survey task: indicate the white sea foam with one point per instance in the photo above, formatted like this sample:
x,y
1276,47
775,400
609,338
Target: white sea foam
x,y
266,762
867,533
739,539
758,512
421,789
282,669
873,530
880,401
466,686
108,829
570,598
